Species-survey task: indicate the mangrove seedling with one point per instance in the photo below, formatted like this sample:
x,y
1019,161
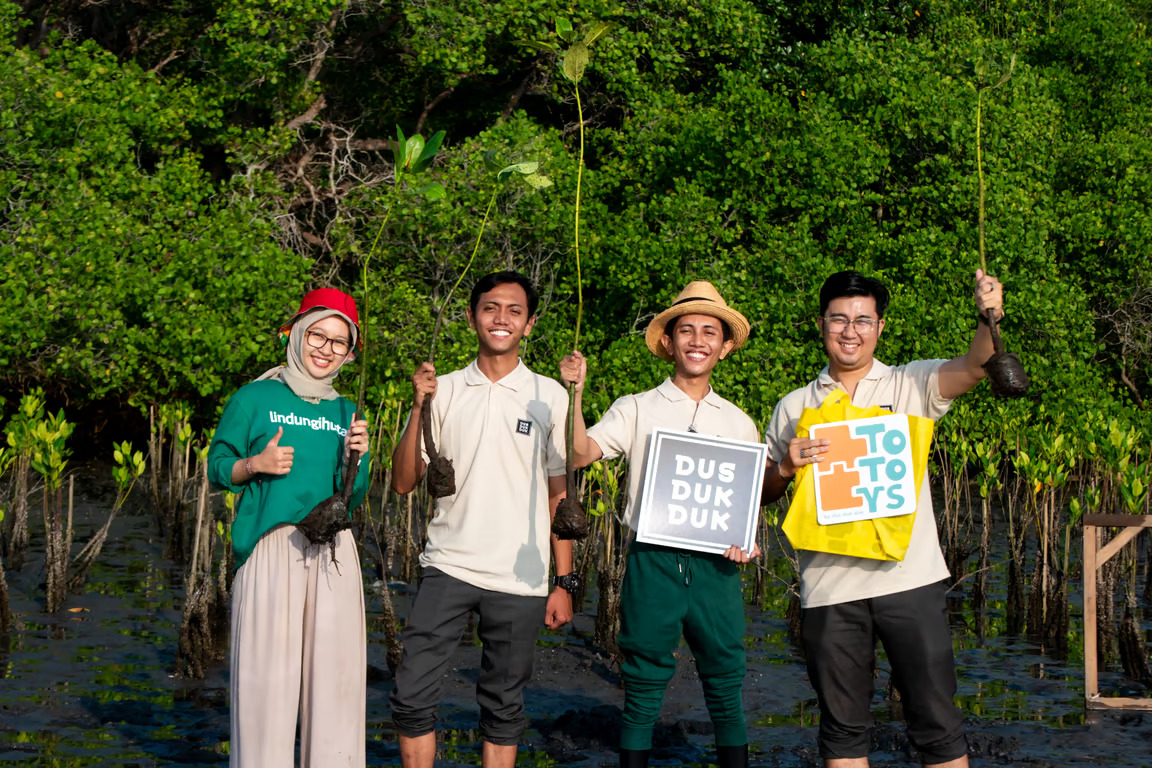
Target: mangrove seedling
x,y
412,156
1006,373
441,474
570,521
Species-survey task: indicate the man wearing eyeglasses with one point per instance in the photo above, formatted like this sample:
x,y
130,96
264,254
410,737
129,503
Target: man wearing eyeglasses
x,y
847,601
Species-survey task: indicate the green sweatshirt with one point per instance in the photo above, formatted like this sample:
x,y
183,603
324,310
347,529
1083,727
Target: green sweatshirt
x,y
252,418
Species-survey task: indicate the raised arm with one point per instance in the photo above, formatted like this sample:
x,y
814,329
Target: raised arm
x,y
407,461
574,370
961,374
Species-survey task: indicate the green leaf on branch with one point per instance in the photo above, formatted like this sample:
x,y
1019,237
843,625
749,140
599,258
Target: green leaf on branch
x,y
524,169
598,30
575,60
428,153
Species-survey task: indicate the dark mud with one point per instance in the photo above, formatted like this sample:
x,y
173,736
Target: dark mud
x,y
92,686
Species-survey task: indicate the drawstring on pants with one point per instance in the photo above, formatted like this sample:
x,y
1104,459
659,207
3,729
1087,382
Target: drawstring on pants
x,y
684,564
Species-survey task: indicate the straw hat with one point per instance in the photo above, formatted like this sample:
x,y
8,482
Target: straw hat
x,y
698,298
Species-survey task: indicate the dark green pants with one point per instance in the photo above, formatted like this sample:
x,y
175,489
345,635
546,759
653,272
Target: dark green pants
x,y
668,593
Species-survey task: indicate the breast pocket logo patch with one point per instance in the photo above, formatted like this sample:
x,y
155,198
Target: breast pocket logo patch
x,y
523,427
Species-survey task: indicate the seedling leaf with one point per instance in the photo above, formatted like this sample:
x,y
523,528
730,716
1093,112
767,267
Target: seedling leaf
x,y
491,163
597,31
575,60
523,169
541,45
538,181
428,154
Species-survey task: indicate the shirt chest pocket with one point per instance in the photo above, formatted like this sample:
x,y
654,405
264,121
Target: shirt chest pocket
x,y
530,431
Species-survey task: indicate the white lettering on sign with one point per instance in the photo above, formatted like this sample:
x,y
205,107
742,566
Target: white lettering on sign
x,y
714,495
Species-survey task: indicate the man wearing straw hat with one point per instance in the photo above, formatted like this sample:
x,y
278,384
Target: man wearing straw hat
x,y
848,602
489,542
667,592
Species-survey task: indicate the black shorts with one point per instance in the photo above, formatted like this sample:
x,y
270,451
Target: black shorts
x,y
840,646
507,628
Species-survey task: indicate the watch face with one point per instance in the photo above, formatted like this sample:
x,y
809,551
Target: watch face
x,y
569,582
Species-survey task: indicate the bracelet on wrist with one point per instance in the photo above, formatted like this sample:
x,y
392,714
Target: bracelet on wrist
x,y
248,468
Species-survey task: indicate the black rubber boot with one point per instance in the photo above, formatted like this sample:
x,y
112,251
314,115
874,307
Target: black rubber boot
x,y
634,758
732,757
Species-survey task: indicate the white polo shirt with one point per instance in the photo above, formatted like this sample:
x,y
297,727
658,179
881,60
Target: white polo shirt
x,y
830,579
627,427
505,439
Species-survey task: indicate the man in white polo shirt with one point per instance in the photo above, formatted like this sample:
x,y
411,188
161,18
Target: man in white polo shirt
x,y
847,601
488,544
670,592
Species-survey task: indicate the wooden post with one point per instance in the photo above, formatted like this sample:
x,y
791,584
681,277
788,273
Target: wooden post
x,y
1095,557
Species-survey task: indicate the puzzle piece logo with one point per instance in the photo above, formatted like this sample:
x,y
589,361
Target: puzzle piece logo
x,y
867,470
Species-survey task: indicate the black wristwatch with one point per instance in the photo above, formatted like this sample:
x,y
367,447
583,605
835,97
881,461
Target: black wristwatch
x,y
570,583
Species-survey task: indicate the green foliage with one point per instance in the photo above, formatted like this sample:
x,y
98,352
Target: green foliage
x,y
129,466
50,451
168,202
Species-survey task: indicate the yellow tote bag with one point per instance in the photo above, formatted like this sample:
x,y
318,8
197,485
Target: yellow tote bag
x,y
885,538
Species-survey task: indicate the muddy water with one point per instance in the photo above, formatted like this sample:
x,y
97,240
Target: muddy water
x,y
91,686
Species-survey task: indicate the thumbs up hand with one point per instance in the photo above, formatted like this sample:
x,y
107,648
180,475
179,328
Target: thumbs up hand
x,y
274,459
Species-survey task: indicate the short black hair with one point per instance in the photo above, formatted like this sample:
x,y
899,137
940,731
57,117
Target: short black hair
x,y
670,326
493,279
852,283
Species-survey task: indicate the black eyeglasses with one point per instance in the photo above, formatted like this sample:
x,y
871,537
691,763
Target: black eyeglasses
x,y
317,340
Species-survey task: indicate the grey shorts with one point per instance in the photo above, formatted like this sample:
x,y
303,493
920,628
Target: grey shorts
x,y
507,629
840,648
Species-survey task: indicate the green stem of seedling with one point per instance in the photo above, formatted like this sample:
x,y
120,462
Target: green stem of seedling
x,y
980,177
364,299
448,298
579,180
570,427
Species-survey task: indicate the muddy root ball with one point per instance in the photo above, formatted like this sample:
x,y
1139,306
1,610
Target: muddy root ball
x,y
441,478
326,519
570,522
1006,375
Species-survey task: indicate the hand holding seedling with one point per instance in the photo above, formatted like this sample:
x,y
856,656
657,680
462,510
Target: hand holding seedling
x,y
357,439
989,296
274,459
574,370
423,385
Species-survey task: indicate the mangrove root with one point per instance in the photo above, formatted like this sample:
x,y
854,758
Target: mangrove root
x,y
1133,656
5,609
1005,372
570,522
441,475
331,515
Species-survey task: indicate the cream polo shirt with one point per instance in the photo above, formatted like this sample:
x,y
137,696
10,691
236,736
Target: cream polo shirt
x,y
627,427
505,439
830,579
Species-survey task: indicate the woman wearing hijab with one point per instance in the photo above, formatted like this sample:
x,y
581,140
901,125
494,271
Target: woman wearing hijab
x,y
298,633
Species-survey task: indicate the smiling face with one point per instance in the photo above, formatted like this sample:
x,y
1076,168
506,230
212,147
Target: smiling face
x,y
696,343
501,320
322,362
848,349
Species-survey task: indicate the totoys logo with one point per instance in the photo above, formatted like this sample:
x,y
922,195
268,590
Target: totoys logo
x,y
867,470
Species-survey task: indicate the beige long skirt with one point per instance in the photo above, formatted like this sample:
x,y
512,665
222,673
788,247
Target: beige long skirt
x,y
299,654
